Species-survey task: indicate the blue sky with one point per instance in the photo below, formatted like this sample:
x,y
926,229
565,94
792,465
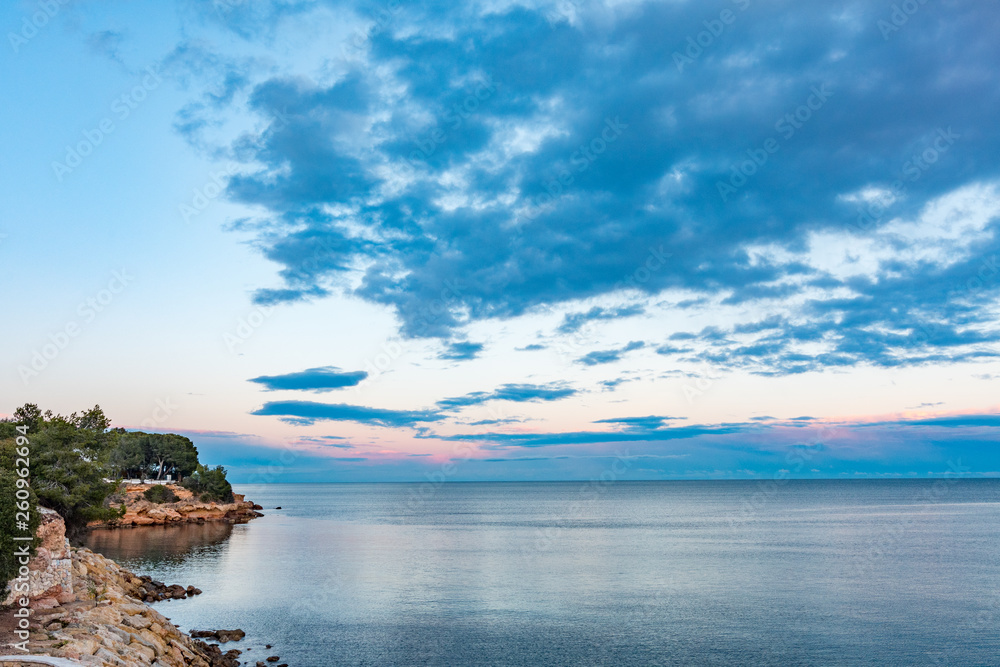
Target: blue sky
x,y
511,240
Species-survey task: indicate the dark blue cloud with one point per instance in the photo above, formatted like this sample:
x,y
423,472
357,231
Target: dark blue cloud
x,y
518,393
325,378
897,440
413,143
608,356
906,315
309,412
595,437
325,441
953,421
646,423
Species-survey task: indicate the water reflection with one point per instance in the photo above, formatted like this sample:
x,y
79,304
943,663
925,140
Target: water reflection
x,y
150,546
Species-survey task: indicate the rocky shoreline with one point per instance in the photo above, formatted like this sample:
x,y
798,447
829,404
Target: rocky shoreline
x,y
187,509
87,608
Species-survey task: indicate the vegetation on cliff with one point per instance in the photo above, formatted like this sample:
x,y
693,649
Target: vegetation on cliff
x,y
159,493
66,462
10,508
73,457
210,484
153,455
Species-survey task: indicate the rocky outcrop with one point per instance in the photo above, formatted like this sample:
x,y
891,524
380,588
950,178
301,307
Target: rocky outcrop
x,y
151,590
50,579
187,509
86,608
105,624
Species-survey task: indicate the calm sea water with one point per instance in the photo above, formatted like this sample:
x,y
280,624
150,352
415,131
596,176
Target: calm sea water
x,y
633,573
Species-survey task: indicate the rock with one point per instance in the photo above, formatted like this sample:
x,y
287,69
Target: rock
x,y
187,509
222,636
115,629
273,658
50,572
231,635
206,634
257,507
278,508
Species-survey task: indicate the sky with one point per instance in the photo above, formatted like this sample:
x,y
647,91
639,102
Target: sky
x,y
437,241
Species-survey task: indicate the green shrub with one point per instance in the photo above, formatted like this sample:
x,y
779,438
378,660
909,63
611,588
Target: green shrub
x,y
160,494
210,484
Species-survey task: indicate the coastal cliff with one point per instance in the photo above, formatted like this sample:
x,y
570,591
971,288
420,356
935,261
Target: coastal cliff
x,y
87,608
187,509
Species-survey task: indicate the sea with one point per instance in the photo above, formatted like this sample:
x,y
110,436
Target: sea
x,y
781,572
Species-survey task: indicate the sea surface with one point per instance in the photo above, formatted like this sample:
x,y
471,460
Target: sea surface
x,y
900,572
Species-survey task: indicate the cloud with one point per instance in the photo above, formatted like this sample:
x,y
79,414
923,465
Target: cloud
x,y
518,393
609,356
590,165
950,421
319,380
461,351
572,322
107,43
324,441
644,423
612,384
309,412
595,437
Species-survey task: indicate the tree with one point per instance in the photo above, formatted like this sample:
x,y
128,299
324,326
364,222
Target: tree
x,y
174,454
210,484
71,457
12,511
139,454
28,415
128,457
69,464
